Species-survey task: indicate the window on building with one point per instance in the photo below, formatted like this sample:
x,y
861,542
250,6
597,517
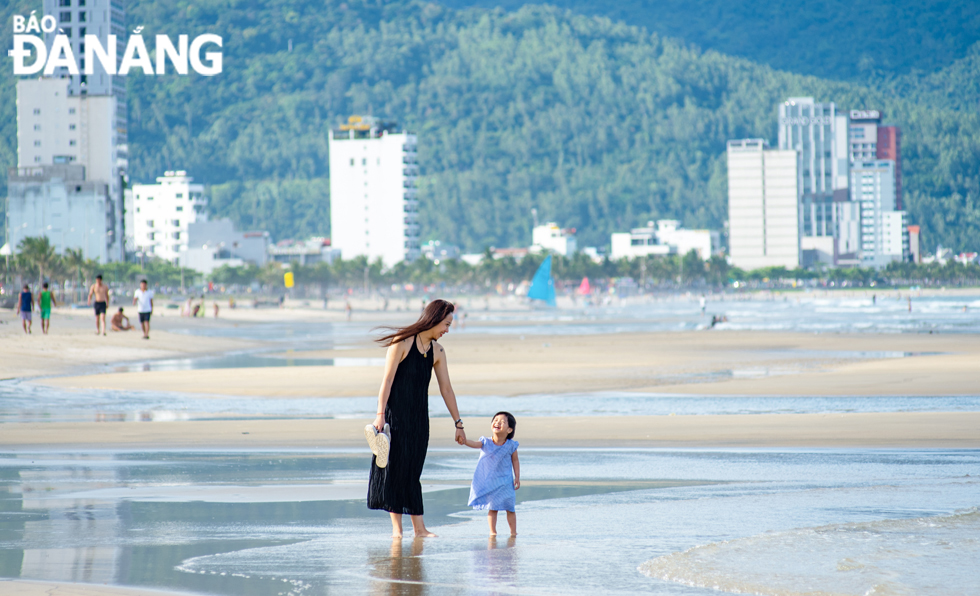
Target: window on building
x,y
37,127
71,127
65,16
150,235
176,235
81,17
137,210
72,142
81,2
176,223
180,195
81,31
37,111
149,223
180,208
37,159
64,2
71,110
364,162
37,143
352,161
149,198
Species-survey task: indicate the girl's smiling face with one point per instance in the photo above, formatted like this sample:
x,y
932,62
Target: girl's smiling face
x,y
500,425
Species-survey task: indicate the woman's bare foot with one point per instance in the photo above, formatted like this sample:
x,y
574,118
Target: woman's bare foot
x,y
418,524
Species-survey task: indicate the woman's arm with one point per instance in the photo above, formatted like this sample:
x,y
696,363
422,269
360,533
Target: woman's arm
x,y
517,470
441,367
392,359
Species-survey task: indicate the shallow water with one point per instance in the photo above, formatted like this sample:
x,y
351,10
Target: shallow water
x,y
22,401
801,313
589,520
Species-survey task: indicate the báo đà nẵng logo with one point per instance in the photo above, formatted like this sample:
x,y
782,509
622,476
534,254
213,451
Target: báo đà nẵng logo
x,y
28,42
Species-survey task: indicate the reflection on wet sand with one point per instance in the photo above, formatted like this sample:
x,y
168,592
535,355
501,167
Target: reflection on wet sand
x,y
400,571
501,562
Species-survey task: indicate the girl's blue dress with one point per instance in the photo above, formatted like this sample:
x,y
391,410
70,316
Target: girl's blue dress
x,y
493,480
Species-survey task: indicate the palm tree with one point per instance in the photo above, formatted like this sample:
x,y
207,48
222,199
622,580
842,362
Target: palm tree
x,y
37,253
72,261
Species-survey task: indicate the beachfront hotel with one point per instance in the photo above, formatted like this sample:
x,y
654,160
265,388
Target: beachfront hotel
x,y
373,196
763,205
162,212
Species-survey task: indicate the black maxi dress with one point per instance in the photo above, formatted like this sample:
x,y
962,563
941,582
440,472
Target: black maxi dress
x,y
396,487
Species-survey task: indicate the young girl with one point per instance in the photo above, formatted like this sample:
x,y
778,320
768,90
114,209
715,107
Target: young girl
x,y
498,472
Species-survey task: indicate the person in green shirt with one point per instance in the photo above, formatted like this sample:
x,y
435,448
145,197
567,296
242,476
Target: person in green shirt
x,y
44,302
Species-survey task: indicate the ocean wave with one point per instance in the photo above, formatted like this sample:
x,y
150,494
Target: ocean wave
x,y
894,557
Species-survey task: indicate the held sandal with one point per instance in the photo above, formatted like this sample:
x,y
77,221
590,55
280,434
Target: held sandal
x,y
379,442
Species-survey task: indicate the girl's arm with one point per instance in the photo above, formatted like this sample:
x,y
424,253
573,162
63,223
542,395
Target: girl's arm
x,y
517,470
446,388
472,443
392,359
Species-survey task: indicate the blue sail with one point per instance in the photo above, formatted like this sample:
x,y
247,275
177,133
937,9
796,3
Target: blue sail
x,y
542,286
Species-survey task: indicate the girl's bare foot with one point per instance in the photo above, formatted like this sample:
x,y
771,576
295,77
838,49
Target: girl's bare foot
x,y
425,534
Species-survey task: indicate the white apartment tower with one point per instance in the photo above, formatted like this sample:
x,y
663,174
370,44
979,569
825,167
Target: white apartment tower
x,y
763,205
162,213
78,121
373,196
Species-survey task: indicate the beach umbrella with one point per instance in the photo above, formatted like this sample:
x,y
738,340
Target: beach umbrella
x,y
584,288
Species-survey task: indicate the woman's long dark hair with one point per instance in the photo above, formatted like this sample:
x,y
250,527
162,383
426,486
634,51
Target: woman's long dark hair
x,y
434,313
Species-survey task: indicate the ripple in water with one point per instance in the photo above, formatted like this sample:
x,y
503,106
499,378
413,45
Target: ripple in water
x,y
898,557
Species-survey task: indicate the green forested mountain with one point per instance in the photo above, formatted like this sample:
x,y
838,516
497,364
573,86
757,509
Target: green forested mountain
x,y
833,39
598,124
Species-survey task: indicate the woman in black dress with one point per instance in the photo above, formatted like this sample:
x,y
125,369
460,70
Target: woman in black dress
x,y
403,402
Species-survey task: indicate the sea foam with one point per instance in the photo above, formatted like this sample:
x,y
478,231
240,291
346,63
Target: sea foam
x,y
894,557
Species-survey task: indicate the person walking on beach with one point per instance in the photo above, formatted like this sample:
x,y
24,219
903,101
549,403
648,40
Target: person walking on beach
x,y
143,301
413,353
25,309
100,292
44,303
498,472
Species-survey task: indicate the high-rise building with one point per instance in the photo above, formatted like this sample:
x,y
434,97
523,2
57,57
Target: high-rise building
x,y
162,213
883,236
818,133
55,127
77,120
763,205
890,147
373,196
873,149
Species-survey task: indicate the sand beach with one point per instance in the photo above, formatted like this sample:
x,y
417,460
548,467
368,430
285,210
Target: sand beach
x,y
95,423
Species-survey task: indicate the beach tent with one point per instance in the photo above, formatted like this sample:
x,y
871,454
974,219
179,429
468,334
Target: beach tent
x,y
542,286
584,289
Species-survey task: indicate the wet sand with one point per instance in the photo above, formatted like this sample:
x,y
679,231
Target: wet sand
x,y
868,430
695,362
